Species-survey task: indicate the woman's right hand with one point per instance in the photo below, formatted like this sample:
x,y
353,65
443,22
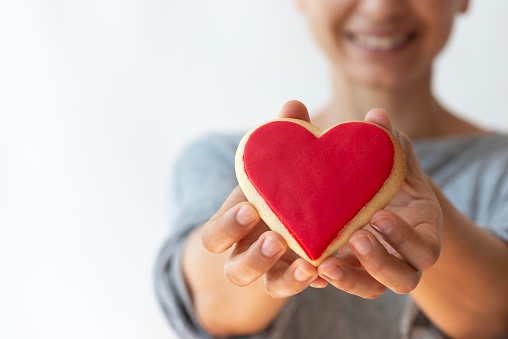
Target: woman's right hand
x,y
257,251
248,251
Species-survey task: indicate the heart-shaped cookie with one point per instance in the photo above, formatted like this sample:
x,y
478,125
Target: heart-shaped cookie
x,y
316,188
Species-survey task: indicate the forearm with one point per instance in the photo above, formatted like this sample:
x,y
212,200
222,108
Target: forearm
x,y
221,307
465,293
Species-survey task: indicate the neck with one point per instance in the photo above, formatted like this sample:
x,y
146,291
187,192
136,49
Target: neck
x,y
412,108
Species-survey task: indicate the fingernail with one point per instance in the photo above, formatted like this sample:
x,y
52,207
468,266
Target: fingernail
x,y
361,244
301,274
271,247
383,225
246,215
334,273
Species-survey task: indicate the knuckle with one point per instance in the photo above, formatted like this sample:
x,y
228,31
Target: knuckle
x,y
353,287
377,292
280,288
378,266
405,289
399,238
217,235
273,292
243,269
207,239
426,262
429,258
212,246
234,278
408,286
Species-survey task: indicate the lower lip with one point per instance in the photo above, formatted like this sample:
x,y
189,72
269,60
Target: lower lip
x,y
392,50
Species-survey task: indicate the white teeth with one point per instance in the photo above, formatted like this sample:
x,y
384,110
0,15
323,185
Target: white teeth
x,y
380,43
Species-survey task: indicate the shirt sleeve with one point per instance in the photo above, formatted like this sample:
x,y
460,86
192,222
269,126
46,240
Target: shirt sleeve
x,y
203,177
494,191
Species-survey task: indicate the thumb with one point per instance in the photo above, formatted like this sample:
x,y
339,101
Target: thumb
x,y
380,117
296,110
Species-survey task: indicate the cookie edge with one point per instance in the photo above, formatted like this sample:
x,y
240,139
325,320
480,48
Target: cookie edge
x,y
379,201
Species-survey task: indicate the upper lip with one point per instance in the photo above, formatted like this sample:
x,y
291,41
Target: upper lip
x,y
382,37
380,33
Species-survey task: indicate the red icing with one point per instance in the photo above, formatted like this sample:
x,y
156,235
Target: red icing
x,y
317,185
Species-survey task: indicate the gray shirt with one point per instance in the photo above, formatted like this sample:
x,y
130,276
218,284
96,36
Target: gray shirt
x,y
471,171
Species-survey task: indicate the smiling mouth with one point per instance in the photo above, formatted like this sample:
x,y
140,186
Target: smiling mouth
x,y
380,43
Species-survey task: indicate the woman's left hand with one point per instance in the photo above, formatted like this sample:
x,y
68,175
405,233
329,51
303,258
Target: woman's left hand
x,y
401,241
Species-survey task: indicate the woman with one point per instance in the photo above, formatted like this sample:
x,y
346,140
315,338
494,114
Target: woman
x,y
449,220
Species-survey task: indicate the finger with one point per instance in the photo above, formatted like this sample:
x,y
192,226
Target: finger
x,y
346,254
390,271
235,197
380,117
344,276
319,283
245,266
222,231
296,110
284,280
419,246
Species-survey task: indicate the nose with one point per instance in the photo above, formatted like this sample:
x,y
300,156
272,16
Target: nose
x,y
381,10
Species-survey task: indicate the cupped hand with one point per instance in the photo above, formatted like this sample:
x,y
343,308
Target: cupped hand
x,y
401,240
257,251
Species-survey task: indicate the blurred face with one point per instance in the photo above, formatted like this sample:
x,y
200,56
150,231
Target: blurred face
x,y
385,43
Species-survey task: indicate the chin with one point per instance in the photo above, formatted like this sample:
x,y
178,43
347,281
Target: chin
x,y
387,76
379,80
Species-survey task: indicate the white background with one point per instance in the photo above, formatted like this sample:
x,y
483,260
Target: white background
x,y
98,97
